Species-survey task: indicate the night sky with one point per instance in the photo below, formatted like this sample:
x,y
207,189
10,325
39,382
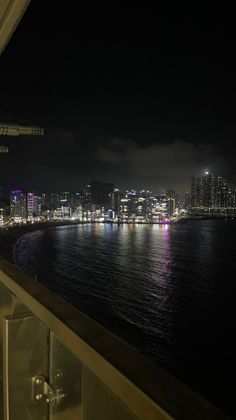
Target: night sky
x,y
126,95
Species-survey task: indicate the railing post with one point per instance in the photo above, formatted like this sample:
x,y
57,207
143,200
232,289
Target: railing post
x,y
25,354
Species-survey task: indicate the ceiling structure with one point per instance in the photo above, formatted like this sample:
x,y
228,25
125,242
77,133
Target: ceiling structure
x,y
11,12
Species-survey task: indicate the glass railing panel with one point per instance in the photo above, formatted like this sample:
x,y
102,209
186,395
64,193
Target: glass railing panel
x,y
25,343
81,394
5,309
100,403
66,379
32,350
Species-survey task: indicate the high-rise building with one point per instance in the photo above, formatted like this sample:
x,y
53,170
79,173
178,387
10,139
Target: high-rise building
x,y
212,191
17,205
86,198
170,193
37,205
4,209
116,196
54,201
125,211
101,194
145,193
30,205
75,200
204,190
44,201
87,193
64,199
171,206
1,214
196,192
209,190
231,195
187,200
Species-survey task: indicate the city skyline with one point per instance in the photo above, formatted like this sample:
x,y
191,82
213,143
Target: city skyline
x,y
152,102
210,196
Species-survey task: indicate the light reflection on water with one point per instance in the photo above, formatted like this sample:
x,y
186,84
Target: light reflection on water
x,y
167,290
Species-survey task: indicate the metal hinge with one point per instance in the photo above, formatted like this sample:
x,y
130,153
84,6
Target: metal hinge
x,y
43,391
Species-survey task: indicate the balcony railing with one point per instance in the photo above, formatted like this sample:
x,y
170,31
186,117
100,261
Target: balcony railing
x,y
57,363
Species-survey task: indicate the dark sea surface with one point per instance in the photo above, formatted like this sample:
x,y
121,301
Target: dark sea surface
x,y
169,291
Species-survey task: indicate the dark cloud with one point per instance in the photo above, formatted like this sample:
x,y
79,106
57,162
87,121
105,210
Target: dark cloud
x,y
65,160
158,166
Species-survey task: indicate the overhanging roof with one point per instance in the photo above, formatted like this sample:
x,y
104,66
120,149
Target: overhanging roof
x,y
11,12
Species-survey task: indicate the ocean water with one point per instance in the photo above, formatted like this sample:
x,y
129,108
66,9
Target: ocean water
x,y
169,291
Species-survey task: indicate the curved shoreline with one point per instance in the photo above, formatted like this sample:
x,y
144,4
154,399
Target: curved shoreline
x,y
8,237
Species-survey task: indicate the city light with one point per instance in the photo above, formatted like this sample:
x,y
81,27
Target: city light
x,y
102,203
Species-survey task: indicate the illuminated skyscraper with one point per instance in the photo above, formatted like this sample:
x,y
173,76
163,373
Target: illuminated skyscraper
x,y
116,201
171,206
187,200
30,205
196,192
1,214
212,191
17,206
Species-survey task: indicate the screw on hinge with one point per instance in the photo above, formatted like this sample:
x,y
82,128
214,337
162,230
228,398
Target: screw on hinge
x,y
42,390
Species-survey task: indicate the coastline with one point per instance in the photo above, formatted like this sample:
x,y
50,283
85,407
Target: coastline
x,y
8,237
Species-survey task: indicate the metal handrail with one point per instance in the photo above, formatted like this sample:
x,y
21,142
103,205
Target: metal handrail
x,y
145,388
